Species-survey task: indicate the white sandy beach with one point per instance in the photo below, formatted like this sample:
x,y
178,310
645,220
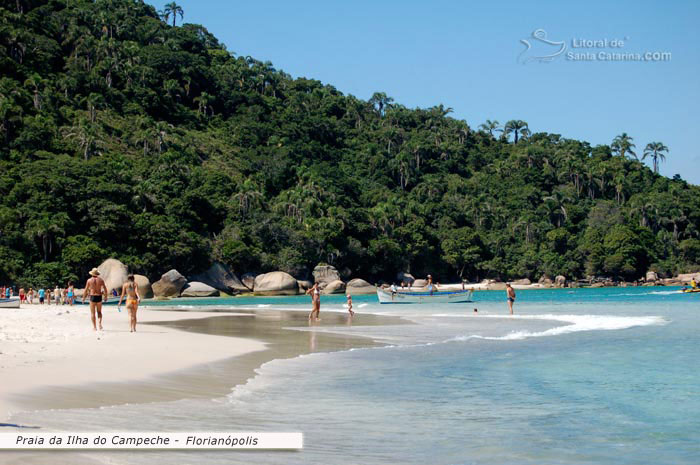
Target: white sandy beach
x,y
50,346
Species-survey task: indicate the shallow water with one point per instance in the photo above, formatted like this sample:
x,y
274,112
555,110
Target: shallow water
x,y
584,376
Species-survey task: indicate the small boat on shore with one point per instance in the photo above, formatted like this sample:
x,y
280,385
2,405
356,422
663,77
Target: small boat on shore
x,y
423,297
9,303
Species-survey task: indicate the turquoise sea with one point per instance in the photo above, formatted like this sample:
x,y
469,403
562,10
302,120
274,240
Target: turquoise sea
x,y
580,376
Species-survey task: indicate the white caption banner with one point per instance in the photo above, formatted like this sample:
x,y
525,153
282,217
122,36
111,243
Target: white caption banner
x,y
153,440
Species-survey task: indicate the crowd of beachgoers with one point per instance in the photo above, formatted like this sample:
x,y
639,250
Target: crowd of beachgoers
x,y
58,295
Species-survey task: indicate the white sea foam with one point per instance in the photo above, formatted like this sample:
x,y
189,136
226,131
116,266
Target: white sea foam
x,y
576,323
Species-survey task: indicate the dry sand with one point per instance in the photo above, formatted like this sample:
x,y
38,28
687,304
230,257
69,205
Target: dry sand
x,y
55,346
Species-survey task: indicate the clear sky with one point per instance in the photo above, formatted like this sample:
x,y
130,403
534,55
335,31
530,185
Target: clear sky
x,y
465,55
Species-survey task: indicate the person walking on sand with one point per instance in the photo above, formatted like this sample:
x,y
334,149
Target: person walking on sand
x,y
97,290
315,293
350,305
510,293
30,296
42,294
131,290
70,293
22,296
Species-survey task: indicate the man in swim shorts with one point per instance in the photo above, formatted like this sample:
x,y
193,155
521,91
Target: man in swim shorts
x,y
510,293
97,290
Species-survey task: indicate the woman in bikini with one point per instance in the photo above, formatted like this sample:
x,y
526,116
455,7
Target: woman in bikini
x,y
131,290
315,302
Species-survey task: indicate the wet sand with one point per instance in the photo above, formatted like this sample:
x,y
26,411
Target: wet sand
x,y
207,380
218,378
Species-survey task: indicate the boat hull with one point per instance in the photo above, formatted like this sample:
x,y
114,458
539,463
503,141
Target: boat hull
x,y
411,297
9,303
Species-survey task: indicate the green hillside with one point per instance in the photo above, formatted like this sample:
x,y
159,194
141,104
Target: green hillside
x,y
125,136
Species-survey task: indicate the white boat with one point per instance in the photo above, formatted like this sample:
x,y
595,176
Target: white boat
x,y
9,303
423,297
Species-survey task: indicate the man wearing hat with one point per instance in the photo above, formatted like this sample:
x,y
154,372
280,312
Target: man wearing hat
x,y
97,290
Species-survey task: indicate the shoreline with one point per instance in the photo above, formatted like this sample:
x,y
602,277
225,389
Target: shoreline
x,y
189,354
54,347
495,287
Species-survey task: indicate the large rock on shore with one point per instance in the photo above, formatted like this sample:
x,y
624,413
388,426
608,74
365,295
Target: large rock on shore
x,y
114,274
276,283
169,285
248,280
546,280
325,274
521,282
305,284
651,277
145,289
220,277
403,277
359,286
199,289
420,283
687,277
334,287
560,281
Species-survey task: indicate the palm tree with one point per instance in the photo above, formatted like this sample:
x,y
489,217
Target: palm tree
x,y
516,127
85,136
491,127
555,204
655,150
248,197
45,229
204,100
35,82
622,145
380,101
174,9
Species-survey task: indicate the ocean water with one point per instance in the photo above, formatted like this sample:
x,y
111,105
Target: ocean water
x,y
581,376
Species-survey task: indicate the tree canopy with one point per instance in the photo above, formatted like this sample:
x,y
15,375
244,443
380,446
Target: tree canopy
x,y
126,136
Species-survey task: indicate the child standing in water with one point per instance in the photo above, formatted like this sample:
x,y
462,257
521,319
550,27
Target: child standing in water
x,y
350,305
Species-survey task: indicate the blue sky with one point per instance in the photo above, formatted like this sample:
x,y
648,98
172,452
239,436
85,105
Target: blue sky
x,y
464,55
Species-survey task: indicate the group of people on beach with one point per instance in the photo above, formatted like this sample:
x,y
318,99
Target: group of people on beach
x,y
95,289
57,296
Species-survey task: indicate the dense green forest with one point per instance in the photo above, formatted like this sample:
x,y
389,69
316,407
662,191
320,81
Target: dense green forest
x,y
126,133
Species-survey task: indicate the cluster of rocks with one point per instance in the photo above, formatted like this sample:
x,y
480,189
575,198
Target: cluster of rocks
x,y
219,279
653,279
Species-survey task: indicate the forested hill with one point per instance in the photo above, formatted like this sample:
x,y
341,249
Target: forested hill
x,y
123,135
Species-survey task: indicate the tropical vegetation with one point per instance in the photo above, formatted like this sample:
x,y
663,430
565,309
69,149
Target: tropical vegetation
x,y
126,134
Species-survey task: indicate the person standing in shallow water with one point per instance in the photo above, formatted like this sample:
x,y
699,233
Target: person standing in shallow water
x,y
131,290
315,293
350,305
510,293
